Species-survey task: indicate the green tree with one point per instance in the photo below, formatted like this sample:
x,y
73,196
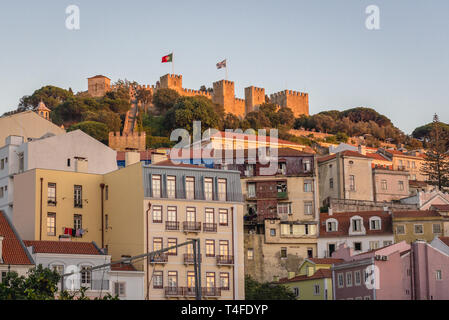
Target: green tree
x,y
110,119
164,99
95,129
436,165
52,96
144,97
266,291
231,121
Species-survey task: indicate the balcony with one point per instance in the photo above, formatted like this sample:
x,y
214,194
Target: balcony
x,y
225,260
189,291
282,195
190,226
174,292
188,258
172,225
209,227
211,292
161,258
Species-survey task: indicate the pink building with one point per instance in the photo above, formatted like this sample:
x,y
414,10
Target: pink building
x,y
396,272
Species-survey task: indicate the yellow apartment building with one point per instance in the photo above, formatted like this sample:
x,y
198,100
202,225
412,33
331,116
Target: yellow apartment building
x,y
148,208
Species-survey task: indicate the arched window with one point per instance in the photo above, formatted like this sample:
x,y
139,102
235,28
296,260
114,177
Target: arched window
x,y
375,223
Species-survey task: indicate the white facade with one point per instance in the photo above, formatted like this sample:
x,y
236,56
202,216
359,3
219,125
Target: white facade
x,y
133,282
367,241
73,151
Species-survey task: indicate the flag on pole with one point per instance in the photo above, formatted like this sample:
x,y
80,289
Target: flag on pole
x,y
167,58
221,64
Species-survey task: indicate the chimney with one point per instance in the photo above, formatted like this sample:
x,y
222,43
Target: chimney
x,y
131,157
291,275
81,165
158,157
1,249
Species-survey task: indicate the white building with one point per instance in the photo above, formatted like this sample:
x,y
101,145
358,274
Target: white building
x,y
73,151
361,231
127,282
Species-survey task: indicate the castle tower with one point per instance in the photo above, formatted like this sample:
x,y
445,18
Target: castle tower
x,y
295,100
98,86
171,81
224,95
254,97
43,111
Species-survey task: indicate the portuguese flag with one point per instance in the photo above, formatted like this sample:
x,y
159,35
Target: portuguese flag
x,y
167,58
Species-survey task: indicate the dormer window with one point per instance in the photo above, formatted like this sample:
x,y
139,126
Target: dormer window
x,y
357,225
375,223
331,225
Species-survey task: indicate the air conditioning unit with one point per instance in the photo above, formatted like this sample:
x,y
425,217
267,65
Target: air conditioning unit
x,y
377,257
384,258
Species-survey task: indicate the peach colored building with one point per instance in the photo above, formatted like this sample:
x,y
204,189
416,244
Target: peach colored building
x,y
389,185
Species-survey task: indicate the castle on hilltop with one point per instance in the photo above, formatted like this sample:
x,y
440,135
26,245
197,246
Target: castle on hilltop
x,y
223,94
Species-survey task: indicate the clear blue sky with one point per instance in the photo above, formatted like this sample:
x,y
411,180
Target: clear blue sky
x,y
317,46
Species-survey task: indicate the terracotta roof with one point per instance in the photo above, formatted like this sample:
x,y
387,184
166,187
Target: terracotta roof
x,y
402,154
343,219
325,260
346,153
122,267
417,184
13,249
441,207
42,107
63,247
445,240
98,76
320,274
377,156
415,214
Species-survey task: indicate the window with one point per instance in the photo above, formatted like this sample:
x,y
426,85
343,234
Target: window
x,y
208,188
367,298
413,177
172,214
348,279
156,185
222,189
419,229
224,280
190,188
384,184
171,242
86,276
436,228
224,248
375,224
157,214
273,232
309,252
119,289
68,162
331,249
413,165
308,207
1,192
356,225
373,245
51,194
357,246
191,279
210,280
341,282
250,254
401,185
331,226
223,217
209,215
307,165
173,279
352,183
357,278
191,214
106,193
284,208
387,243
283,252
282,169
78,196
157,244
296,291
59,268
316,290
308,186
251,190
210,248
2,164
438,275
51,224
171,187
331,183
77,221
400,229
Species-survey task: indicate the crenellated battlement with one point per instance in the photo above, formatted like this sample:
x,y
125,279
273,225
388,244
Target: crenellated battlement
x,y
223,83
127,141
288,92
192,92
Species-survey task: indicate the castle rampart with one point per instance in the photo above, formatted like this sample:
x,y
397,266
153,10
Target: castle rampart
x,y
131,141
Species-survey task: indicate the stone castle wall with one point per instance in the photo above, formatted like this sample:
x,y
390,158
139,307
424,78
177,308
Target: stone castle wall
x,y
132,141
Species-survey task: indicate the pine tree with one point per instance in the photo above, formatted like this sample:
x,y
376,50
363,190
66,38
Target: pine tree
x,y
436,165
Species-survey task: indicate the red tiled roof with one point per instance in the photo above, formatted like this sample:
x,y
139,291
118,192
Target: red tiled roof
x,y
98,76
415,214
13,250
122,267
62,247
376,156
320,274
325,260
445,240
346,153
441,207
343,219
144,155
417,184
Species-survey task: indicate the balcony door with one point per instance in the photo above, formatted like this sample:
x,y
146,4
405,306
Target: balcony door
x,y
191,215
173,279
224,248
210,280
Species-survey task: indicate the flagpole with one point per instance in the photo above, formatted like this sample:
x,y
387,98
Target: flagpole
x,y
173,62
226,67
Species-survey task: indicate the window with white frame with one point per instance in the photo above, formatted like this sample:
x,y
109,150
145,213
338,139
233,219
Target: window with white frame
x,y
86,276
120,289
308,207
375,223
401,186
357,278
383,184
251,190
438,275
348,279
250,254
157,214
158,279
156,185
316,290
331,225
352,183
284,208
308,186
208,189
373,245
190,188
419,229
171,187
341,281
356,224
436,228
400,229
296,292
222,189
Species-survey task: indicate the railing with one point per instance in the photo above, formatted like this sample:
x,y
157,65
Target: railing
x,y
282,195
159,258
174,292
225,260
172,225
191,291
191,226
188,258
211,292
209,227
